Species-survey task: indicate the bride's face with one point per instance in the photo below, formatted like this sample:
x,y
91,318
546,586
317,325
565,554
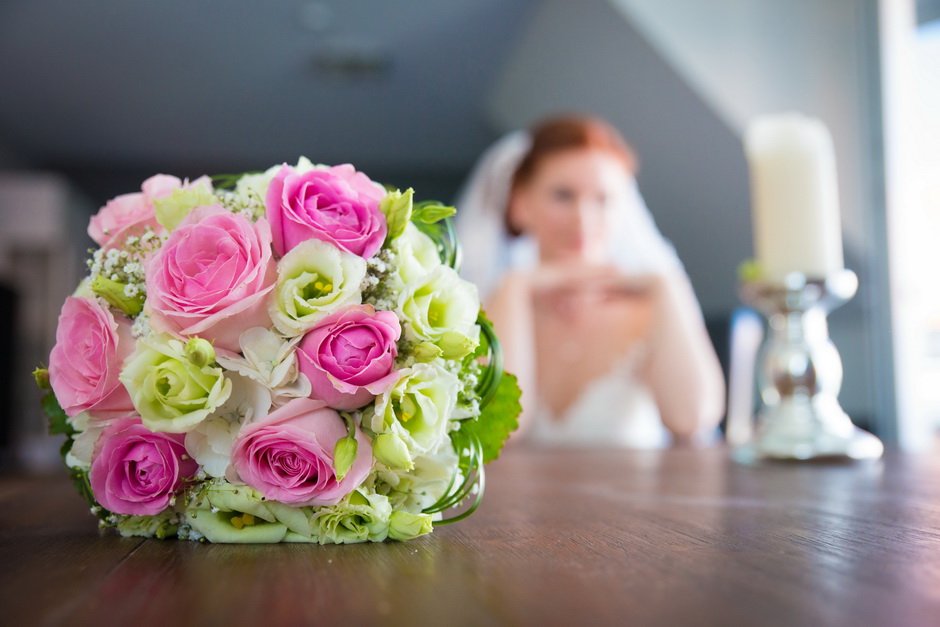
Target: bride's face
x,y
567,204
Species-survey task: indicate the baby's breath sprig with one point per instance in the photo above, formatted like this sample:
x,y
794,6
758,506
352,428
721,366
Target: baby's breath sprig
x,y
245,203
378,288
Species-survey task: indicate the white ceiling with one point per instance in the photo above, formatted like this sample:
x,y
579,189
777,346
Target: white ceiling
x,y
395,85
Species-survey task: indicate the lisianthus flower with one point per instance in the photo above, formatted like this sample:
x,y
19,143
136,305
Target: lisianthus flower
x,y
210,442
416,410
223,512
270,360
442,308
314,280
360,517
424,484
416,253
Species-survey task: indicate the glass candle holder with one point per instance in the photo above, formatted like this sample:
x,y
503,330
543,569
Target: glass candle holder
x,y
800,373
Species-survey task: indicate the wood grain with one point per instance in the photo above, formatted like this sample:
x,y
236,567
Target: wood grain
x,y
678,537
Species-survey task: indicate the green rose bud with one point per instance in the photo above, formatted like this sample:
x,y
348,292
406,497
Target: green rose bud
x,y
396,207
359,517
200,351
171,210
405,526
344,454
392,451
427,352
41,375
114,293
456,345
170,392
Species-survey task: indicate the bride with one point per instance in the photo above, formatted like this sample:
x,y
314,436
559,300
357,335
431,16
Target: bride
x,y
595,312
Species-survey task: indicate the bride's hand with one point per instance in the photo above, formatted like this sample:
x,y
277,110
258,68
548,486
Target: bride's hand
x,y
587,280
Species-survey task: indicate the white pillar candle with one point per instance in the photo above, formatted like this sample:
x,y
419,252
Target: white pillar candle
x,y
795,199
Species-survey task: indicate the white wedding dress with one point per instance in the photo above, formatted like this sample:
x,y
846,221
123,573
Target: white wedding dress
x,y
616,410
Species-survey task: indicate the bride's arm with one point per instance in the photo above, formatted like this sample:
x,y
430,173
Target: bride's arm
x,y
510,310
683,370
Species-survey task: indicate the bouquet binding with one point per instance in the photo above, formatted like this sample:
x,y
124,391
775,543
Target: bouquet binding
x,y
277,356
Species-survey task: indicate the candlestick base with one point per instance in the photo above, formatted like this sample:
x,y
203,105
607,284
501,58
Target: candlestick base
x,y
801,374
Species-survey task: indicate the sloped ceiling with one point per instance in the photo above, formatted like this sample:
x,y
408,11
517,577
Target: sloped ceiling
x,y
226,84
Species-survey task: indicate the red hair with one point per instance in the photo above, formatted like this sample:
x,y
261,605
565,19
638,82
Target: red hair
x,y
571,132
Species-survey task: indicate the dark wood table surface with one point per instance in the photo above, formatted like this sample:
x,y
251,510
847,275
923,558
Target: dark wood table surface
x,y
679,537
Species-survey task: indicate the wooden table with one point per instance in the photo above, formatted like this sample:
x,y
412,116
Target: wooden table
x,y
678,537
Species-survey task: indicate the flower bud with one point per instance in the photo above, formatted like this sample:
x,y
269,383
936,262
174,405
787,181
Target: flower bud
x,y
427,351
396,207
391,450
41,375
456,345
405,525
200,352
344,454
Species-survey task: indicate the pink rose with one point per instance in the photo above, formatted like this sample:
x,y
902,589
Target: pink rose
x,y
336,205
211,277
136,471
350,355
131,214
91,346
288,456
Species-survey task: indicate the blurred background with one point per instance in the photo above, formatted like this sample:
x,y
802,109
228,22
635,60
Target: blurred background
x,y
95,96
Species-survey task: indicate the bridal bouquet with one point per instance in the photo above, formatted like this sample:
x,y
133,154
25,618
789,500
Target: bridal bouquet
x,y
282,356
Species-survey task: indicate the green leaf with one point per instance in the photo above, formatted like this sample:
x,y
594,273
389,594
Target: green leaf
x,y
228,181
58,421
498,419
83,486
431,211
113,293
